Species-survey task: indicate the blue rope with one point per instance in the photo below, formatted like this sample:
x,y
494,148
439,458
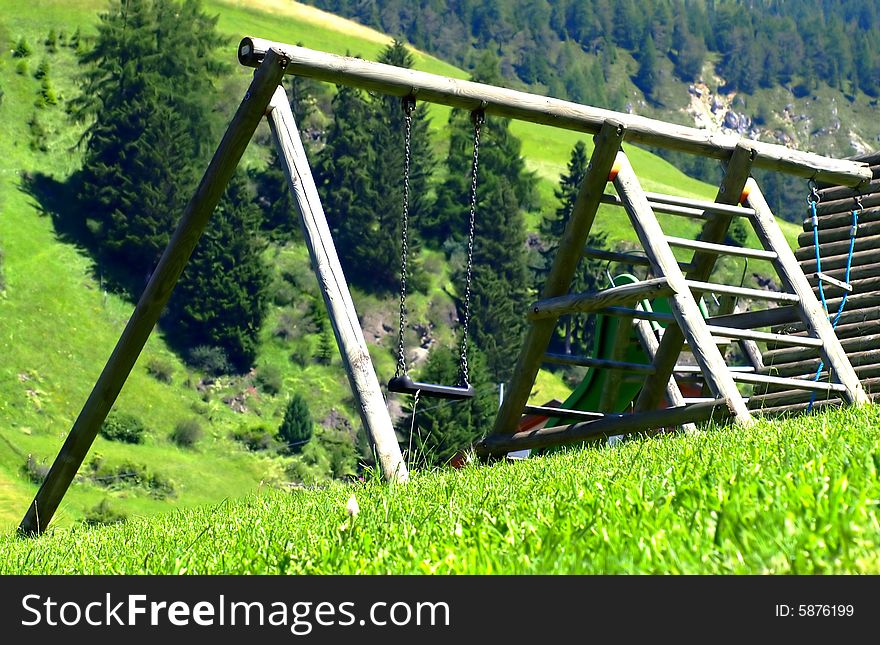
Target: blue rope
x,y
852,245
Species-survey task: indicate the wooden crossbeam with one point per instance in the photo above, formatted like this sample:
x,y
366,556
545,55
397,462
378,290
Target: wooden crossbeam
x,y
624,294
398,81
721,249
599,363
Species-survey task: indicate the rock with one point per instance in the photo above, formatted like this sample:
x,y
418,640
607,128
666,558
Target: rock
x,y
731,120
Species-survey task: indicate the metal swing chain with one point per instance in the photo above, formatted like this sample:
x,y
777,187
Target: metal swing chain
x,y
478,117
408,105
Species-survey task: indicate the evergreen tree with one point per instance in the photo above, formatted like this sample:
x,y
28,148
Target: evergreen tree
x,y
646,77
150,115
297,426
576,332
227,266
442,429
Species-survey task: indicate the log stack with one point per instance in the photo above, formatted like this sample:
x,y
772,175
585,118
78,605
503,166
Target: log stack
x,y
859,326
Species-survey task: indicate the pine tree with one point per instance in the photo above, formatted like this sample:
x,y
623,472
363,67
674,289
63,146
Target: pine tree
x,y
444,428
646,77
576,332
150,115
221,298
297,426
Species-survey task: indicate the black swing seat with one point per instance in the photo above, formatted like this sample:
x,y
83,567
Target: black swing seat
x,y
405,385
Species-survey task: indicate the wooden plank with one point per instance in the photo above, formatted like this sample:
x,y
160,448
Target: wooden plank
x,y
831,290
864,363
860,343
608,426
155,296
832,262
846,329
857,273
840,247
334,289
672,209
814,316
749,334
758,318
559,279
741,292
714,230
720,249
598,363
788,397
840,233
397,81
691,325
846,192
591,301
819,386
848,203
842,218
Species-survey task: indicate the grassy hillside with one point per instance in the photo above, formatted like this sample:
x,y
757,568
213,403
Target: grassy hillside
x,y
798,496
58,324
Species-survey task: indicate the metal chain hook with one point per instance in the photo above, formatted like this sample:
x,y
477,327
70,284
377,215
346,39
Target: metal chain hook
x,y
813,197
408,105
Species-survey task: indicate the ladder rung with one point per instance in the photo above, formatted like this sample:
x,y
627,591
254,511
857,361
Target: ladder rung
x,y
564,413
593,300
758,318
640,314
824,277
626,258
698,212
706,399
744,292
601,363
696,369
700,204
709,247
763,379
749,334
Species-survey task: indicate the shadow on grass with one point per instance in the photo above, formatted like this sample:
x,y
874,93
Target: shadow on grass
x,y
58,201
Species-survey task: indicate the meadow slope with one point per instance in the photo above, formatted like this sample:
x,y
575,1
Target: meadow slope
x,y
797,496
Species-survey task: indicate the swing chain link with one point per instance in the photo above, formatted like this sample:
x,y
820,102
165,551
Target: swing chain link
x,y
478,117
408,104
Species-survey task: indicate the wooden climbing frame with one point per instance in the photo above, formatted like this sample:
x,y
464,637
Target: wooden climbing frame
x,y
265,98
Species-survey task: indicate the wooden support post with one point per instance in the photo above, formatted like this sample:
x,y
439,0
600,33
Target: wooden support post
x,y
714,231
155,295
337,298
691,324
561,273
813,315
645,334
605,427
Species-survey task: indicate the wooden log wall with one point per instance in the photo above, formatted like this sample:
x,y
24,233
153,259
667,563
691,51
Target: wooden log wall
x,y
859,326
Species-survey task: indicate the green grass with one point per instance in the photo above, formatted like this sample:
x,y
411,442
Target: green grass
x,y
798,496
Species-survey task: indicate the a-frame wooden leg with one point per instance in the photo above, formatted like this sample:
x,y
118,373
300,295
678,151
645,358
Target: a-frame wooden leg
x,y
155,296
334,288
714,231
811,311
684,307
561,273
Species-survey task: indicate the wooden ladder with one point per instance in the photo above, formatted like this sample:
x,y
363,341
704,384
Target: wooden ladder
x,y
738,196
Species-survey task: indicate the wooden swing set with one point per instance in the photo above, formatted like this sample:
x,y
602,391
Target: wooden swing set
x,y
738,196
